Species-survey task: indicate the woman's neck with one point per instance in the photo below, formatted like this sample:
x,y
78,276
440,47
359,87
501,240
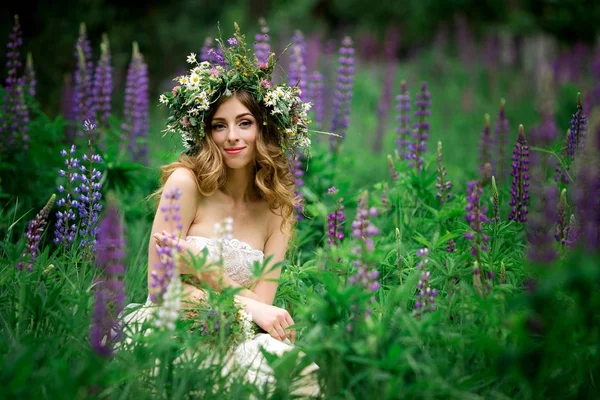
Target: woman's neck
x,y
239,185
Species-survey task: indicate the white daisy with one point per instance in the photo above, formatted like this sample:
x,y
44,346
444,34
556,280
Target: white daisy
x,y
191,58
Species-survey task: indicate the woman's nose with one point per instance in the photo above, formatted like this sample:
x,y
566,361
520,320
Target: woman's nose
x,y
232,134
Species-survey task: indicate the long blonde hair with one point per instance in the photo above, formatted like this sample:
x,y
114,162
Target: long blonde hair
x,y
272,180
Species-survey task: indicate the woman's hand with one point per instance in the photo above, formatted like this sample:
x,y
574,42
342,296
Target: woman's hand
x,y
273,320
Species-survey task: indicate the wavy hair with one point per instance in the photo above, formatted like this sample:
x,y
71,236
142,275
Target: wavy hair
x,y
272,180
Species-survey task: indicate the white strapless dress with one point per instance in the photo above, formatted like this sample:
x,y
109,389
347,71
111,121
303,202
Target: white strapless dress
x,y
238,260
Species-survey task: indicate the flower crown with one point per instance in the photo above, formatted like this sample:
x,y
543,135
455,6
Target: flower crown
x,y
191,99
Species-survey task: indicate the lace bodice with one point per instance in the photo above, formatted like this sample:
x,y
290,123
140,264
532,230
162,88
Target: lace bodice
x,y
238,257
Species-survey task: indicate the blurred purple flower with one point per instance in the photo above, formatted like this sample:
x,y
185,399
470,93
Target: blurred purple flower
x,y
502,134
103,87
65,227
362,228
486,144
34,236
83,98
136,108
520,182
421,128
335,220
425,294
476,217
315,96
297,70
262,48
404,131
575,140
442,184
343,92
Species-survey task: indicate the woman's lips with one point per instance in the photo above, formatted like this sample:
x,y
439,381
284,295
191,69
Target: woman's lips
x,y
234,150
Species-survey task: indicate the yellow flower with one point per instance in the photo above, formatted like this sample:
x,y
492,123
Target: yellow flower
x,y
237,63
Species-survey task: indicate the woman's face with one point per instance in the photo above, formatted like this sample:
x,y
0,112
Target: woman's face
x,y
234,130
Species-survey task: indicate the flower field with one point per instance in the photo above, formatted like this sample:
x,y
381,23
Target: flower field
x,y
447,245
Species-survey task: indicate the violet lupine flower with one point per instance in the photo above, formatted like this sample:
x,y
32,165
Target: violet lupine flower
x,y
105,329
520,182
208,44
476,217
442,184
297,173
103,86
34,233
546,132
450,246
365,278
165,268
13,134
335,220
29,79
404,131
362,228
136,109
89,191
315,95
572,232
421,127
575,139
83,97
262,48
539,227
486,143
297,71
343,92
65,227
502,133
426,295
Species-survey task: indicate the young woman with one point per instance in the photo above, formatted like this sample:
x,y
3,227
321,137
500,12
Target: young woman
x,y
237,127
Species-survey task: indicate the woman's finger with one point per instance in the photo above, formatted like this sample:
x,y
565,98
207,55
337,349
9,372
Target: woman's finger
x,y
280,331
291,331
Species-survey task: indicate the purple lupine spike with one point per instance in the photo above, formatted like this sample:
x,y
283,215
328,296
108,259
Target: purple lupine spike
x,y
502,133
450,246
486,143
65,228
208,44
343,92
476,217
540,248
103,86
136,109
442,184
34,233
316,97
82,91
546,132
364,277
404,131
392,168
335,220
297,172
561,174
425,300
89,190
29,79
572,232
362,228
421,126
297,71
520,182
575,140
385,99
165,268
13,135
105,329
262,47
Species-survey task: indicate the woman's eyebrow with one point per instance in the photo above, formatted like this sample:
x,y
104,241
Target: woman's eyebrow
x,y
238,117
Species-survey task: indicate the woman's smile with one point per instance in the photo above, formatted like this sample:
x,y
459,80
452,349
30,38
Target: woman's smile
x,y
234,150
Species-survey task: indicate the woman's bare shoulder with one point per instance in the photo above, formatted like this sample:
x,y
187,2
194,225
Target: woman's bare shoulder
x,y
182,178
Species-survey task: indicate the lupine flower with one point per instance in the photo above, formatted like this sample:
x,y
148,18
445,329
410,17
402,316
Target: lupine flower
x,y
167,311
560,230
89,190
165,269
29,80
316,97
136,109
502,133
65,227
486,143
477,278
546,132
109,287
367,279
392,168
34,235
442,184
575,138
262,48
425,294
297,71
335,220
204,55
476,217
103,85
495,202
450,246
297,173
385,100
343,91
404,131
561,174
572,232
539,227
83,97
520,182
362,228
14,127
421,128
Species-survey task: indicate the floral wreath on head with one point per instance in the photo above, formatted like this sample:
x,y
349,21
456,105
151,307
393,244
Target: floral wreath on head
x,y
190,100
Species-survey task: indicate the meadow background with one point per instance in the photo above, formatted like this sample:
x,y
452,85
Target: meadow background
x,y
465,264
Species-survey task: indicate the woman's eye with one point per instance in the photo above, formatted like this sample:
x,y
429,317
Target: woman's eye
x,y
218,126
245,124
